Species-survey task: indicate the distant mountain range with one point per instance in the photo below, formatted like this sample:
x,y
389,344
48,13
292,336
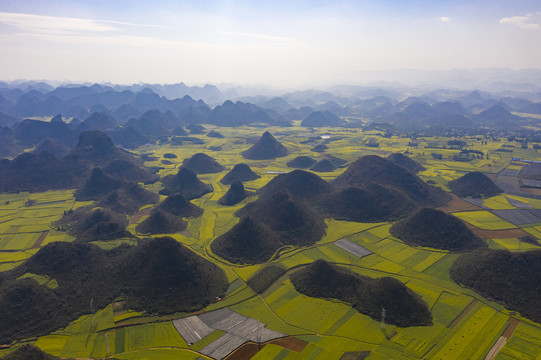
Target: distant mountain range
x,y
136,114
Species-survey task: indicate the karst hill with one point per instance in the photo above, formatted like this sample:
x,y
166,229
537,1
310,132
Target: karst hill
x,y
368,296
201,163
267,147
436,229
406,161
375,169
185,182
474,184
158,276
510,278
240,172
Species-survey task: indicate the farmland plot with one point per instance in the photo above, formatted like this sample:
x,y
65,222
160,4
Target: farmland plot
x,y
484,220
517,216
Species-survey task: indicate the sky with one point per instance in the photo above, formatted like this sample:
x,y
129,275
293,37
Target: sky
x,y
277,43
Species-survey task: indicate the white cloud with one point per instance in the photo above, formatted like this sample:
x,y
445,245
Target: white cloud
x,y
445,19
53,24
30,23
528,22
115,33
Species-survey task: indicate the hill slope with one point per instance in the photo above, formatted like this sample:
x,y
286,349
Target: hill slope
x,y
299,183
375,169
159,276
247,242
161,222
267,147
474,184
293,221
373,203
402,306
98,149
240,172
93,225
510,278
301,162
234,195
436,229
201,163
178,205
185,182
405,161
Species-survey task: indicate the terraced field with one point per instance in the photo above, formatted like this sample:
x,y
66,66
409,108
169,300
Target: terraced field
x,y
465,325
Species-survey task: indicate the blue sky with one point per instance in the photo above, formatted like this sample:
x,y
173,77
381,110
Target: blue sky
x,y
280,43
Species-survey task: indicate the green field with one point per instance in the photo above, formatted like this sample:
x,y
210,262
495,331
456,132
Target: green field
x,y
465,325
484,220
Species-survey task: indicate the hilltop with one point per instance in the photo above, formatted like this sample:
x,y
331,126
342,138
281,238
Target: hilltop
x,y
128,199
372,203
185,182
267,147
368,296
165,277
375,169
299,183
128,171
161,222
436,229
98,121
474,184
201,163
93,225
32,132
240,172
324,165
98,149
234,195
406,161
53,147
97,186
42,171
178,205
118,195
249,241
301,162
510,278
269,223
127,137
292,220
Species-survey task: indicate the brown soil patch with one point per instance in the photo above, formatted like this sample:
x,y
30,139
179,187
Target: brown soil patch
x,y
463,314
42,237
290,343
532,191
245,351
135,218
457,204
496,234
511,326
248,350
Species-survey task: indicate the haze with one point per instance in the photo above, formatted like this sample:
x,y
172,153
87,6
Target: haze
x,y
278,43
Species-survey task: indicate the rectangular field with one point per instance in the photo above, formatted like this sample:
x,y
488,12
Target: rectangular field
x,y
192,329
517,216
484,220
352,248
223,346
